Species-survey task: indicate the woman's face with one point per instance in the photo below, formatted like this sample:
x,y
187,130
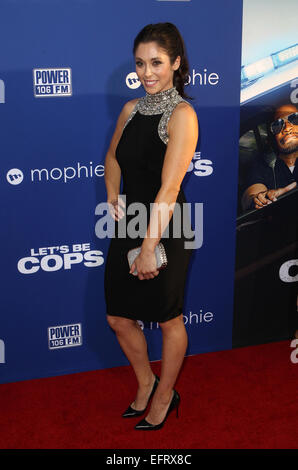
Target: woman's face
x,y
153,67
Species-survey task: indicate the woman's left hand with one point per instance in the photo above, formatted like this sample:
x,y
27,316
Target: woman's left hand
x,y
145,264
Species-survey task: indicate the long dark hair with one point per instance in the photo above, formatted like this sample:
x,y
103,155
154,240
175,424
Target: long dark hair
x,y
167,36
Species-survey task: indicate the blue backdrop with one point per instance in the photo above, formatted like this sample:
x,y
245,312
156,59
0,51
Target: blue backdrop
x,y
64,78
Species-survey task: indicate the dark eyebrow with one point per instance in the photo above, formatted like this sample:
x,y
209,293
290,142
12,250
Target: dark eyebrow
x,y
153,58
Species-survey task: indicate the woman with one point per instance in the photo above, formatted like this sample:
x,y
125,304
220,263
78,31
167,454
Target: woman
x,y
152,146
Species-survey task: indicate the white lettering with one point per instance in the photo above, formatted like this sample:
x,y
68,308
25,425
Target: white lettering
x,y
294,93
54,262
284,271
203,78
294,354
67,173
2,352
2,91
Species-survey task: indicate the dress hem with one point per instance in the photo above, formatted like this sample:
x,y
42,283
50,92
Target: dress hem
x,y
132,317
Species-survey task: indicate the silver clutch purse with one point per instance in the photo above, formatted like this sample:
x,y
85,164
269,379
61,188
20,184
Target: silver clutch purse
x,y
160,255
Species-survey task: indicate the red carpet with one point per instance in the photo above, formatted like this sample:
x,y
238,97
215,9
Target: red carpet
x,y
240,399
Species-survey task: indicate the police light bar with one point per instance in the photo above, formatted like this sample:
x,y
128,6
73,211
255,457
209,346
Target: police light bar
x,y
285,56
276,79
258,69
252,72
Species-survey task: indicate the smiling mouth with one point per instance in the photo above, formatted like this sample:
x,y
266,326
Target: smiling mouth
x,y
289,137
150,82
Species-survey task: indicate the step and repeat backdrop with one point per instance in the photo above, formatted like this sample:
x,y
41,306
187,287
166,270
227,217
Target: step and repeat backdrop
x,y
66,70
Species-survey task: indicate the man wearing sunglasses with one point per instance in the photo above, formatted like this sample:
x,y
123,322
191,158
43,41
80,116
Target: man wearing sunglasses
x,y
268,181
278,175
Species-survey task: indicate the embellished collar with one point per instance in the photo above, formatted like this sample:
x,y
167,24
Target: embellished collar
x,y
163,103
159,102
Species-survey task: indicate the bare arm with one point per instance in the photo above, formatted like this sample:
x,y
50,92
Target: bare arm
x,y
183,137
112,168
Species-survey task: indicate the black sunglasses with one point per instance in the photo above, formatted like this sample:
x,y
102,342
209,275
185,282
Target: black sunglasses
x,y
277,126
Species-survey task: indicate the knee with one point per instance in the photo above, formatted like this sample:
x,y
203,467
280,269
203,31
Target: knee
x,y
119,324
172,326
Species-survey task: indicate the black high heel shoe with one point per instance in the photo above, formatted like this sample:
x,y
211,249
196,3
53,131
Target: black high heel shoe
x,y
143,425
131,413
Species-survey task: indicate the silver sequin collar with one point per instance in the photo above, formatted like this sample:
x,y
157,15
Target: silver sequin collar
x,y
163,103
159,102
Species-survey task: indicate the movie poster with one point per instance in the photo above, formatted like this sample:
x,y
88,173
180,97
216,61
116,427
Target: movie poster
x,y
266,272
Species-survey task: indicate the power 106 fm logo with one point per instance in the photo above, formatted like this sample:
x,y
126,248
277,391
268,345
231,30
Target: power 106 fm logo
x,y
65,336
54,258
52,82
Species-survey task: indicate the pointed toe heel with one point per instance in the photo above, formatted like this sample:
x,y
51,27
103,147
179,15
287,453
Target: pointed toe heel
x,y
143,425
131,412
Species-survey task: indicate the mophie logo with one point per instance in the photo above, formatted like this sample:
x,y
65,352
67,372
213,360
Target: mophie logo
x,y
14,176
2,91
132,80
2,352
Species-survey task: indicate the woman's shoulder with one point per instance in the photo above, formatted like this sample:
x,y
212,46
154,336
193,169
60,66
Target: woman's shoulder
x,y
184,110
183,119
129,107
126,111
185,107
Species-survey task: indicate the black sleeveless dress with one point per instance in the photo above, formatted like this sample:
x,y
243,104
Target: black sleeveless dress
x,y
140,154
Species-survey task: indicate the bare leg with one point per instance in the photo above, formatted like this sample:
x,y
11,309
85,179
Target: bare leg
x,y
173,352
134,345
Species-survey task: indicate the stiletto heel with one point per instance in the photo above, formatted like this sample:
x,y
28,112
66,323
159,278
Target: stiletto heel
x,y
143,425
131,413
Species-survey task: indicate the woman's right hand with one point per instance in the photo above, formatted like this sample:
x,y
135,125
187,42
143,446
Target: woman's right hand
x,y
145,264
115,208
